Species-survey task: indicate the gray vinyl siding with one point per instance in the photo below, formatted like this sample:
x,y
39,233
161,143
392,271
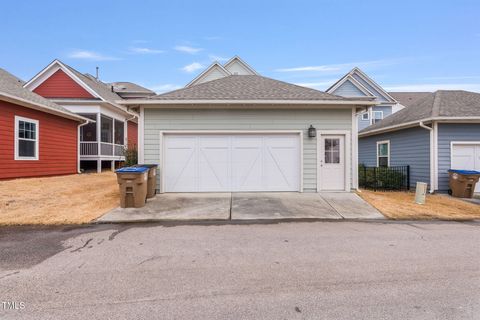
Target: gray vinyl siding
x,y
407,147
157,120
362,124
375,92
348,89
387,110
448,132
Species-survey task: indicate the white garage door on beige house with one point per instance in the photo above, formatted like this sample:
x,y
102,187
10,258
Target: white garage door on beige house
x,y
242,132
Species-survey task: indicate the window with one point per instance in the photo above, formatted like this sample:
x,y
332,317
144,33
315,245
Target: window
x,y
377,116
26,139
106,125
366,115
88,132
332,150
383,153
119,132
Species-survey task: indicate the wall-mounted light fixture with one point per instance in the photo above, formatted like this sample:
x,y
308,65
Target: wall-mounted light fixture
x,y
312,132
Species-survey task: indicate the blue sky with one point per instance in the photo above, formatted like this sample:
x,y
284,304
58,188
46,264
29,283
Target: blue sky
x,y
403,45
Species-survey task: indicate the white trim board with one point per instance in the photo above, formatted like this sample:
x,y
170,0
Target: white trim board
x,y
206,71
152,103
240,61
358,85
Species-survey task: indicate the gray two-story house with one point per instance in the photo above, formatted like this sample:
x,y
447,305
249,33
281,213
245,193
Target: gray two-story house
x,y
433,134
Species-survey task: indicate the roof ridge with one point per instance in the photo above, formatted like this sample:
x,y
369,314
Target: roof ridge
x,y
436,103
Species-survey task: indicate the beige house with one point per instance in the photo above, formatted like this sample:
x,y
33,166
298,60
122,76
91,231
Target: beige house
x,y
232,130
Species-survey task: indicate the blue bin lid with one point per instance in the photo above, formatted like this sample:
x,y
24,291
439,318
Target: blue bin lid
x,y
132,170
465,172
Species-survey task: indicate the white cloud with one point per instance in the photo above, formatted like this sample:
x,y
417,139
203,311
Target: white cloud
x,y
192,67
140,50
90,55
341,67
217,58
160,88
188,49
433,87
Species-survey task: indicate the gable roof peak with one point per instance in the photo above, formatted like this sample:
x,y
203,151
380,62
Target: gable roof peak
x,y
246,66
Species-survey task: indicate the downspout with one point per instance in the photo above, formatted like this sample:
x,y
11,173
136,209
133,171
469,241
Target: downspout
x,y
432,164
78,143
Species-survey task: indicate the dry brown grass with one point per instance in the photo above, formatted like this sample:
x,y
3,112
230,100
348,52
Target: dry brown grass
x,y
401,206
72,199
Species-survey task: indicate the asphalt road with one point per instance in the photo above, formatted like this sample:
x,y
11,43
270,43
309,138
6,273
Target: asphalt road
x,y
302,270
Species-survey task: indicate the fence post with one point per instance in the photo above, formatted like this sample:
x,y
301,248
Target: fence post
x,y
408,177
374,178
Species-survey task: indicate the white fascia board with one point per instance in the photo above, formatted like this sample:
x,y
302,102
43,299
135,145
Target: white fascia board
x,y
40,107
201,75
43,75
355,82
417,122
365,77
237,58
152,102
393,128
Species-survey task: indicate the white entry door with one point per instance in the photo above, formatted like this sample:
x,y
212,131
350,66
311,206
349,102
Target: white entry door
x,y
225,163
332,162
466,157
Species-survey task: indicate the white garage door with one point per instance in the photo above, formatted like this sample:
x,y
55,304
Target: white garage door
x,y
466,157
222,163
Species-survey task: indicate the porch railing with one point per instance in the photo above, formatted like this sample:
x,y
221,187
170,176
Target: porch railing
x,y
88,148
106,149
384,178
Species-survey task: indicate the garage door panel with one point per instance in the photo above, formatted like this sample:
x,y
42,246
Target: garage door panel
x,y
180,160
281,166
232,163
214,169
247,163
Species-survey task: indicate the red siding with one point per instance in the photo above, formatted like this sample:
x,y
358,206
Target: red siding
x,y
132,133
60,85
57,145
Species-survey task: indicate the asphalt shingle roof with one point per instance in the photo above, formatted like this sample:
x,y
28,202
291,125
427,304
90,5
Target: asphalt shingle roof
x,y
12,86
246,87
129,87
408,98
440,104
102,89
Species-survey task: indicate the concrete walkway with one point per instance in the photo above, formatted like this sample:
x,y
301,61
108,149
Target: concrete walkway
x,y
246,206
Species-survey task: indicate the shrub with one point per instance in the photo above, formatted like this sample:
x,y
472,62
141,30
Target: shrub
x,y
131,155
386,178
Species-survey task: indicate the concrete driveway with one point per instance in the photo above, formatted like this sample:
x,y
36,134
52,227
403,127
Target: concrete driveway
x,y
247,206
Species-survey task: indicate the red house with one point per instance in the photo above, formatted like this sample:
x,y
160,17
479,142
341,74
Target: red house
x,y
113,126
37,136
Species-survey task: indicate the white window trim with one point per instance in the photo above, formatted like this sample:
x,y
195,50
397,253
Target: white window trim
x,y
366,113
384,142
373,115
16,139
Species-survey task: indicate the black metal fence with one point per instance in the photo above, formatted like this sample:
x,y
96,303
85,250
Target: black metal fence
x,y
384,178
